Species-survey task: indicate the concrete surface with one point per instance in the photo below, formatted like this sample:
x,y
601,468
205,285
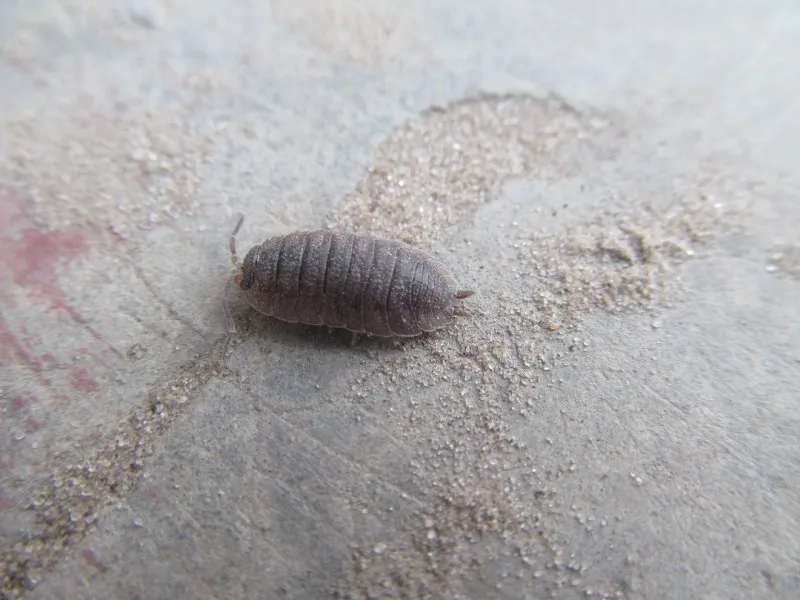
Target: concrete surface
x,y
618,418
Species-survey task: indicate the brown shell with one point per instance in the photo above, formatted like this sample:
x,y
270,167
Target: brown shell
x,y
352,281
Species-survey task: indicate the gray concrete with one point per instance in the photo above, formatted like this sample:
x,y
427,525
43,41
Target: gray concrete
x,y
619,415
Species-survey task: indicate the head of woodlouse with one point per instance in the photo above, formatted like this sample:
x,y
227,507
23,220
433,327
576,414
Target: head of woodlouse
x,y
248,272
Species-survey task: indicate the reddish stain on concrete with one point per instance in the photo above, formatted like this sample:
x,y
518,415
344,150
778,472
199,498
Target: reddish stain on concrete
x,y
49,360
33,425
81,379
19,407
20,403
17,63
11,346
33,260
90,356
91,557
153,493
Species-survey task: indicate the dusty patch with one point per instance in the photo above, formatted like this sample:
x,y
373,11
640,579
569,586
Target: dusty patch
x,y
622,260
121,171
542,263
362,31
69,503
784,261
122,21
455,397
434,173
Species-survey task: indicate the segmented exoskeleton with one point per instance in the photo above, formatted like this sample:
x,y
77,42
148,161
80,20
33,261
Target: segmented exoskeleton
x,y
353,281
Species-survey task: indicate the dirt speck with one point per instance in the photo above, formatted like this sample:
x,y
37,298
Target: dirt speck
x,y
784,261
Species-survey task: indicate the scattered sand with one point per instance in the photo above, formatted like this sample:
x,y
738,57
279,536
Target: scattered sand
x,y
436,182
72,499
116,172
368,31
435,173
784,261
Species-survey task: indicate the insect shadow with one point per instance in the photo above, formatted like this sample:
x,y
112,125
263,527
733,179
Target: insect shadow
x,y
251,323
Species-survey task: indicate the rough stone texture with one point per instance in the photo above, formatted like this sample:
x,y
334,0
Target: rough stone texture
x,y
618,417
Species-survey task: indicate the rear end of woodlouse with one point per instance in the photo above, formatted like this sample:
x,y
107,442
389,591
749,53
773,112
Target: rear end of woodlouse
x,y
344,280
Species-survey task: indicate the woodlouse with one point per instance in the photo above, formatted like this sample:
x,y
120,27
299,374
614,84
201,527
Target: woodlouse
x,y
357,282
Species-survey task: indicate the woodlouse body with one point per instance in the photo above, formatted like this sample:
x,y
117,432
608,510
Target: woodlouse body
x,y
357,282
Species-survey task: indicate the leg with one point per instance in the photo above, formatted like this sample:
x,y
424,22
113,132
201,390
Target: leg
x,y
397,342
220,353
226,309
232,243
229,284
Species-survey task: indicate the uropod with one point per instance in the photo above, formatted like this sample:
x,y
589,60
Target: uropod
x,y
357,282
